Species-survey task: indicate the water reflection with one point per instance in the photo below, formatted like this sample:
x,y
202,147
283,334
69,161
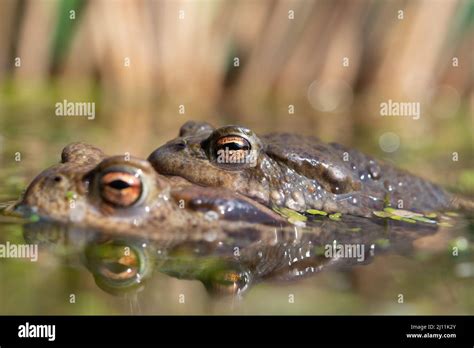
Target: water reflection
x,y
230,265
119,265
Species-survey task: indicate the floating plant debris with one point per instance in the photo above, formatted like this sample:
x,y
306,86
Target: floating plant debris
x,y
409,216
316,212
291,215
335,216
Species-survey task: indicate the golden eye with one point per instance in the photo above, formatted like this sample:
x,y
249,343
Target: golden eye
x,y
232,149
120,188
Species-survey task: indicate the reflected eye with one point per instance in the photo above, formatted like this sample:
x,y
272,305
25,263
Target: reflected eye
x,y
119,266
232,149
120,188
230,281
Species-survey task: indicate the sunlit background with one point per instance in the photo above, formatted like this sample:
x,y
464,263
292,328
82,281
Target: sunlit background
x,y
313,67
319,67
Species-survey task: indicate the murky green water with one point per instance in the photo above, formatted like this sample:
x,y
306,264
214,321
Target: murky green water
x,y
394,267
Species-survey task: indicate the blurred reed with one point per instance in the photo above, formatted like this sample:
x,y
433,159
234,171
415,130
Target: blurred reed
x,y
184,53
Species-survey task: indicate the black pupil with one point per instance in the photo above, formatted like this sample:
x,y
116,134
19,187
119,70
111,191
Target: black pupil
x,y
119,184
57,178
117,267
235,146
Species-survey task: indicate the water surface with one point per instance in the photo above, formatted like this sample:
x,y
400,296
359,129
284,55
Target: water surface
x,y
388,267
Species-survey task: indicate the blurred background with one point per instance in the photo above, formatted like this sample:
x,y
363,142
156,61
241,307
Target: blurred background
x,y
319,67
316,67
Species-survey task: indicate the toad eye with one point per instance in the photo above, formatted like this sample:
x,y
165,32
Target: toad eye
x,y
121,189
233,143
231,149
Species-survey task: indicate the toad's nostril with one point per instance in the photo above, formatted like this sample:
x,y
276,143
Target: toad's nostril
x,y
170,147
181,145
